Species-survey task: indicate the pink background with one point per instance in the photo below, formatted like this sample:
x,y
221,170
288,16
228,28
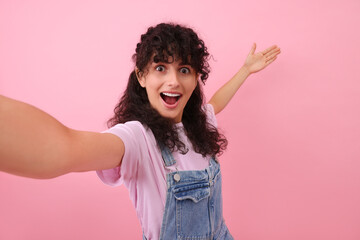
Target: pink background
x,y
292,168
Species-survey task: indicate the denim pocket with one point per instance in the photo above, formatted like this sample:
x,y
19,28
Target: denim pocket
x,y
192,210
195,192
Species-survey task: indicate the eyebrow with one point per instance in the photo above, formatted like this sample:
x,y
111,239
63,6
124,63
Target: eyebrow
x,y
184,64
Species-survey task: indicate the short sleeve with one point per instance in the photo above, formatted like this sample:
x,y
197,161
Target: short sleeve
x,y
130,133
210,114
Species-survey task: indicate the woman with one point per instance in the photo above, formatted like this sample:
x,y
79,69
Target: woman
x,y
162,142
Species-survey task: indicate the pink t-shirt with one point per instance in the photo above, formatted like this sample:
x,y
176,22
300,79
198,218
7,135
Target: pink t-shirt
x,y
142,170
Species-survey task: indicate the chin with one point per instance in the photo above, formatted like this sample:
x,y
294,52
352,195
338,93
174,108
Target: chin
x,y
171,117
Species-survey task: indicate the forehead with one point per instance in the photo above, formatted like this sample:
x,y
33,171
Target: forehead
x,y
167,58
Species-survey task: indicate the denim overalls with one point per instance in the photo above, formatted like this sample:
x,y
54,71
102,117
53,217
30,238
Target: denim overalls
x,y
193,208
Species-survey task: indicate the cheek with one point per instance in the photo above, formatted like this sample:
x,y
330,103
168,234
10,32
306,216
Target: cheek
x,y
151,87
193,86
151,94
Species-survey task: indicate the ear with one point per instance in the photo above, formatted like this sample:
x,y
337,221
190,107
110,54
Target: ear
x,y
197,78
140,77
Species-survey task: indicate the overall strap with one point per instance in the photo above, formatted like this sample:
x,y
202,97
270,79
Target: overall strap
x,y
166,155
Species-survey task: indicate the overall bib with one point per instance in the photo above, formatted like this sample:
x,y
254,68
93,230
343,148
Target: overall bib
x,y
193,208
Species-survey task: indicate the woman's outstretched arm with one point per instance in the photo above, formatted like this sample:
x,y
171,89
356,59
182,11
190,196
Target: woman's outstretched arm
x,y
253,63
34,144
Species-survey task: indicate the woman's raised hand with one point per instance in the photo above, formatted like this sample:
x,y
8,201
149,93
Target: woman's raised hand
x,y
258,61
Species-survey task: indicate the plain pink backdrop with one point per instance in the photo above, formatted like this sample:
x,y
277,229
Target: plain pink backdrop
x,y
292,168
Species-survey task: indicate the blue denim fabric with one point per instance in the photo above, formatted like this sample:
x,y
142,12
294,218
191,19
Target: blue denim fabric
x,y
193,208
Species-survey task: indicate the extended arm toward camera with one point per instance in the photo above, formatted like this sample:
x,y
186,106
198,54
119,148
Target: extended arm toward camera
x,y
253,63
34,144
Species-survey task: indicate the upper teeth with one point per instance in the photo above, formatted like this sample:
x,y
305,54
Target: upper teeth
x,y
171,94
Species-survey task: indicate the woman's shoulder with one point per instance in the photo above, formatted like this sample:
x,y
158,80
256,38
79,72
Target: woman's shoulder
x,y
210,114
130,125
131,130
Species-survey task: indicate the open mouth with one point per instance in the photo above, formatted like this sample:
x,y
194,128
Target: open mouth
x,y
170,98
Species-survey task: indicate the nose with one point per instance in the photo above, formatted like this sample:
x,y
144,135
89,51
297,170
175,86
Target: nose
x,y
173,78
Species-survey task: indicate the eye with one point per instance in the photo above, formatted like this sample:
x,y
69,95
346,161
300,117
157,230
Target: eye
x,y
184,70
160,68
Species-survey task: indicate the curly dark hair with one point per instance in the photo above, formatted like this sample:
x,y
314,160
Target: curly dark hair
x,y
164,43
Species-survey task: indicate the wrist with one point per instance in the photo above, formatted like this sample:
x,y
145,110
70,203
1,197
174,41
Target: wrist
x,y
245,70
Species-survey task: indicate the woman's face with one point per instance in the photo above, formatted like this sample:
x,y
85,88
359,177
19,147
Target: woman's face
x,y
169,87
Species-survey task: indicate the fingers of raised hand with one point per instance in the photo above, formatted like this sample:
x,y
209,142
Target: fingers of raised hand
x,y
269,49
270,61
271,54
